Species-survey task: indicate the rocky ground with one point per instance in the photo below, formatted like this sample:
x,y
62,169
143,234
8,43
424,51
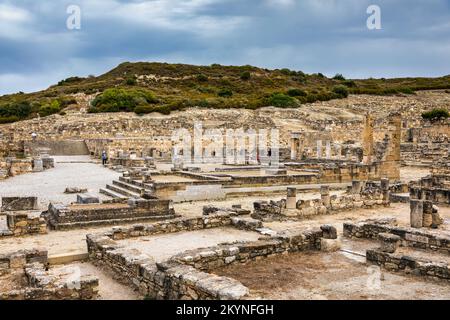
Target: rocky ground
x,y
319,276
347,113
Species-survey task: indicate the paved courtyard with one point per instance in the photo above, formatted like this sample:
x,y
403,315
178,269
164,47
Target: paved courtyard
x,y
49,185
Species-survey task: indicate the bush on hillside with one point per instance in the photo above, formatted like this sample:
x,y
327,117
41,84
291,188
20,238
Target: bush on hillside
x,y
225,93
116,100
246,75
341,91
436,114
296,92
281,100
339,76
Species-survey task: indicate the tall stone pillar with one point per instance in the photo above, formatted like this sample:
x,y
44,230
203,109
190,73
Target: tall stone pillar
x,y
319,149
390,163
291,201
416,213
427,214
294,148
325,196
328,150
385,189
368,144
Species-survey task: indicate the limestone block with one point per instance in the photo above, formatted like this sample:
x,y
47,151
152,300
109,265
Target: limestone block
x,y
330,245
416,213
87,198
389,242
329,232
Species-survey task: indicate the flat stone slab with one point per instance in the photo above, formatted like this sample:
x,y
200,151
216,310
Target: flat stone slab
x,y
87,199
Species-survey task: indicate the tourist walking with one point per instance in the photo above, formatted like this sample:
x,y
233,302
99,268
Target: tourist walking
x,y
104,157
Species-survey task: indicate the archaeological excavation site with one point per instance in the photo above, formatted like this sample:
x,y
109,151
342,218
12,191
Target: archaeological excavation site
x,y
346,199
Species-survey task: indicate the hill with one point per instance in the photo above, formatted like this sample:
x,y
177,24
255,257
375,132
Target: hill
x,y
161,87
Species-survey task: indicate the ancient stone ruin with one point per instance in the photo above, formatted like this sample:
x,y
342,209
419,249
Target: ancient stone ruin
x,y
360,186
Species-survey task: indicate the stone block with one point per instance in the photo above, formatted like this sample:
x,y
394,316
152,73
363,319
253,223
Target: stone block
x,y
87,199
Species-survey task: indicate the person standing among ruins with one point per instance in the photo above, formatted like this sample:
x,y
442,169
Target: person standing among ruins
x,y
104,157
34,136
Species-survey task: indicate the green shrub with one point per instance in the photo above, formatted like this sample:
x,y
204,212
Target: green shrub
x,y
70,81
9,119
281,100
20,110
49,109
341,91
436,114
225,93
246,75
131,81
296,92
116,100
287,72
349,83
320,75
406,90
339,76
202,78
164,109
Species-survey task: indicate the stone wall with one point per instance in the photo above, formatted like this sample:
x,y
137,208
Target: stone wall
x,y
41,284
370,196
23,223
185,276
410,237
407,264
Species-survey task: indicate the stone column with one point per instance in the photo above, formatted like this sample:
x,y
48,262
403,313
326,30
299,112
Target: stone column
x,y
368,149
416,214
319,149
291,201
328,150
338,150
357,186
427,214
325,196
294,148
385,189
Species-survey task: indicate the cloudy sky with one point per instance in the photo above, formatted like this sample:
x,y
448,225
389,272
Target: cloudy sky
x,y
329,36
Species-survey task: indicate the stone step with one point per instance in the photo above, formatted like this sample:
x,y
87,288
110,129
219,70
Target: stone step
x,y
135,183
124,192
127,186
112,194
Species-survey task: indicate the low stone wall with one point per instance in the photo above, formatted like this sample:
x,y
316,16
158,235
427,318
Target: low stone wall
x,y
410,237
216,220
19,203
435,194
63,217
185,276
23,223
40,283
398,262
327,204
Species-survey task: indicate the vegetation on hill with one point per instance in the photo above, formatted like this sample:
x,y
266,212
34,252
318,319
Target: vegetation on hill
x,y
436,114
160,87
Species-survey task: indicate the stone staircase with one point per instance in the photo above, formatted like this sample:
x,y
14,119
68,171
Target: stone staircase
x,y
124,188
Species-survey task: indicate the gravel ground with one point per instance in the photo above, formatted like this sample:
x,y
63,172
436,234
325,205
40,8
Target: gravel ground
x,y
334,276
162,247
49,185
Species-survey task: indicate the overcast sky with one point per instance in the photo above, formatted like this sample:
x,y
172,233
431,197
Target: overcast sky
x,y
329,36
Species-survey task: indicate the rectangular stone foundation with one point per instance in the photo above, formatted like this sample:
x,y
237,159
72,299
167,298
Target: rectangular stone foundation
x,y
61,217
